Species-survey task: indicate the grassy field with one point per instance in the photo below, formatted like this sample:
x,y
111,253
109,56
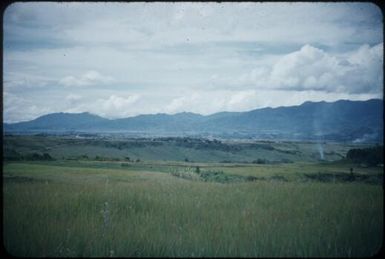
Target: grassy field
x,y
148,208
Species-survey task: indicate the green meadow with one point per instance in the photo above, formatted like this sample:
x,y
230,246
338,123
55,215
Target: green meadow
x,y
70,207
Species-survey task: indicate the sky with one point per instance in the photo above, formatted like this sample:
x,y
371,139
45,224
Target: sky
x,y
124,59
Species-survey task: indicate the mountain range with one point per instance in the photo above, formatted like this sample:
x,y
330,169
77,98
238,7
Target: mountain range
x,y
342,120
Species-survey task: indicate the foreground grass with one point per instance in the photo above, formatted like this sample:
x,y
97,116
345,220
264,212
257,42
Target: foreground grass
x,y
78,211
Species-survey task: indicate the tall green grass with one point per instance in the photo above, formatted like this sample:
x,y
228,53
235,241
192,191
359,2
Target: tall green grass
x,y
60,211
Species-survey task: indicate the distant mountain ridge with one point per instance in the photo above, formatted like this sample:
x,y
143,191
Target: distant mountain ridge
x,y
341,120
58,121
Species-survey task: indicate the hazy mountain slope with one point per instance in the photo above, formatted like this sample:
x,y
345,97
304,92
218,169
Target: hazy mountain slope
x,y
340,120
58,121
349,118
157,122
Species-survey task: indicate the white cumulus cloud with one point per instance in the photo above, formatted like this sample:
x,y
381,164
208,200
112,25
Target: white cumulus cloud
x,y
208,102
87,79
311,68
115,106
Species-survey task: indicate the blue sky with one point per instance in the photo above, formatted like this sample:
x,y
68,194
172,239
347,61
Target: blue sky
x,y
124,59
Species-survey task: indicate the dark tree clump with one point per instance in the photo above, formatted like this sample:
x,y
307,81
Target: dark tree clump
x,y
370,156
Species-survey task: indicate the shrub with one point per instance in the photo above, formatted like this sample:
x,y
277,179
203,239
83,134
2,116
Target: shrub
x,y
47,156
259,161
37,156
83,157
